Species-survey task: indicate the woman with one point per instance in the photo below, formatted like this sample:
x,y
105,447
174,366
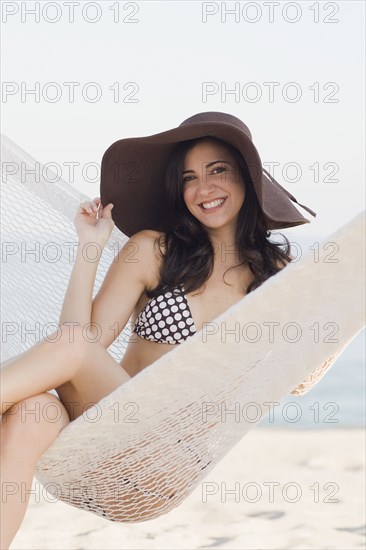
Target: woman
x,y
199,245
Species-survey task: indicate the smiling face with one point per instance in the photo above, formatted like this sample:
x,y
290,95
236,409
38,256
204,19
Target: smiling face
x,y
211,176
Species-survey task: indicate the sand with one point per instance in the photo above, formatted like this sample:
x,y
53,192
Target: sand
x,y
318,502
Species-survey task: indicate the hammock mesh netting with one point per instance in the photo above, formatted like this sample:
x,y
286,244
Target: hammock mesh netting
x,y
140,451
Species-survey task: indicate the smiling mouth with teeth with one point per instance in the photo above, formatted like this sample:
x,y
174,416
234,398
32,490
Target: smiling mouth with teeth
x,y
212,205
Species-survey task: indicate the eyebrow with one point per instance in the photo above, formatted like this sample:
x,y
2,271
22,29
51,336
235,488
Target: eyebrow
x,y
208,165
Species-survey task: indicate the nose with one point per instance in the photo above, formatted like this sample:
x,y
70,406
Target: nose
x,y
205,187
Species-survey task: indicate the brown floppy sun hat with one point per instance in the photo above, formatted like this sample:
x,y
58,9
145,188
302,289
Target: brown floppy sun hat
x,y
132,174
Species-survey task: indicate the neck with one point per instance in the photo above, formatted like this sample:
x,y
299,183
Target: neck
x,y
225,248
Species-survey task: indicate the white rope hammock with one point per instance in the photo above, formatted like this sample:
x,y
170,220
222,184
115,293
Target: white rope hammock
x,y
141,450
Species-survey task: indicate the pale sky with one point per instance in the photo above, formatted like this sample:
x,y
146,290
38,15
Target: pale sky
x,y
169,54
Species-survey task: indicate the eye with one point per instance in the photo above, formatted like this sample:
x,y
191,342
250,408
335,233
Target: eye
x,y
221,168
186,179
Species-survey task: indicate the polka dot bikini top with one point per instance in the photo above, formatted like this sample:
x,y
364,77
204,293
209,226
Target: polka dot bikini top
x,y
166,318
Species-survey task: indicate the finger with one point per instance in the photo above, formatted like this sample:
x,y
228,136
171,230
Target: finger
x,y
83,206
107,210
96,203
86,207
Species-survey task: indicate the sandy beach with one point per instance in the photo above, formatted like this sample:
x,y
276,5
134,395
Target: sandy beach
x,y
276,489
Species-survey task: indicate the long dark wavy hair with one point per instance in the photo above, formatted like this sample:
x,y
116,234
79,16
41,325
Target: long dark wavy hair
x,y
189,254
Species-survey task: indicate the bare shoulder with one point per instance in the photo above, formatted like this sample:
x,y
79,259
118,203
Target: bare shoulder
x,y
148,240
149,246
128,277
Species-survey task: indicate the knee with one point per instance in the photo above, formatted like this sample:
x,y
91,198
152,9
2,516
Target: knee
x,y
33,424
73,341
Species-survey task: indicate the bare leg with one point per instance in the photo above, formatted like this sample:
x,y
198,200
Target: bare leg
x,y
27,429
49,364
80,371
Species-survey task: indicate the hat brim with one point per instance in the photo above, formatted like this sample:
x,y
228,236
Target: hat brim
x,y
132,177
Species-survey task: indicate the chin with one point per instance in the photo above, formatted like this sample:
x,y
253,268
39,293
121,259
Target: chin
x,y
215,225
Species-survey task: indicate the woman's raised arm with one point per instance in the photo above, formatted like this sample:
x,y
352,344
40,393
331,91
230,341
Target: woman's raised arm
x,y
133,270
93,224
